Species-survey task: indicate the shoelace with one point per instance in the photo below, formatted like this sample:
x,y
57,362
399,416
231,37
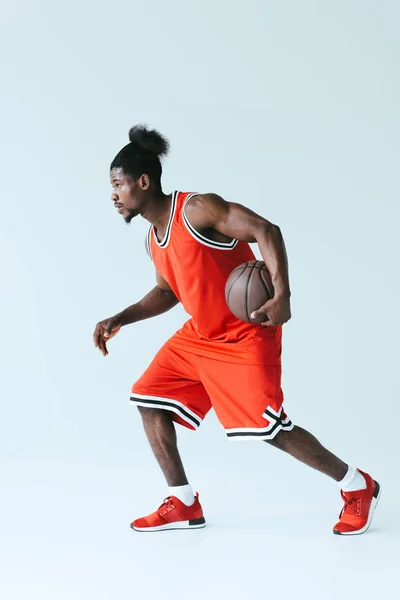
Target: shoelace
x,y
348,504
166,502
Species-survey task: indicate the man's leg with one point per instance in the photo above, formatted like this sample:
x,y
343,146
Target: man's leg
x,y
300,444
181,510
360,492
170,392
160,431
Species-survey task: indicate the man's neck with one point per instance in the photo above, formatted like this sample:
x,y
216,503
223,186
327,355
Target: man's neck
x,y
158,210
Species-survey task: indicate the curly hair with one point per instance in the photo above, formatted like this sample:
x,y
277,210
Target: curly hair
x,y
142,154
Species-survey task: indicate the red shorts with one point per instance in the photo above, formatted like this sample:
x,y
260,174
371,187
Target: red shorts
x,y
242,385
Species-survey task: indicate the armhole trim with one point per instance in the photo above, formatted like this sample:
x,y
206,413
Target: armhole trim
x,y
202,238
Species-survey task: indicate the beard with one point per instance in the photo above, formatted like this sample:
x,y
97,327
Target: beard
x,y
131,215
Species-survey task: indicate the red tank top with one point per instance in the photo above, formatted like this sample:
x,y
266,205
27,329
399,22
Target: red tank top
x,y
196,268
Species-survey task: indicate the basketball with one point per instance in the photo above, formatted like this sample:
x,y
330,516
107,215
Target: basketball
x,y
248,287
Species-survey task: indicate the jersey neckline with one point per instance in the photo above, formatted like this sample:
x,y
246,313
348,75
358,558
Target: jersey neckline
x,y
165,241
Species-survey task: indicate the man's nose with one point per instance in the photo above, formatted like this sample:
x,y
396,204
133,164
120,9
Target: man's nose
x,y
114,197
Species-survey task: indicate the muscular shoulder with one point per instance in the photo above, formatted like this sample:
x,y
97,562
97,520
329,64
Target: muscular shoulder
x,y
204,210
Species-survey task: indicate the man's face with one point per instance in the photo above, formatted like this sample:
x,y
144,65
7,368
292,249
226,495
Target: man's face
x,y
128,195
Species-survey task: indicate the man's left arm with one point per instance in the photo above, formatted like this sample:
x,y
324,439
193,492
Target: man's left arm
x,y
210,211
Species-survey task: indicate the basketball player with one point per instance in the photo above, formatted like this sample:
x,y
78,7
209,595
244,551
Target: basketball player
x,y
214,360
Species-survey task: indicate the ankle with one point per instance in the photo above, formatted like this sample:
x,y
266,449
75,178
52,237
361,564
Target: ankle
x,y
184,493
352,481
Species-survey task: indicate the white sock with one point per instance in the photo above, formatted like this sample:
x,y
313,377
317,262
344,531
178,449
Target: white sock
x,y
184,493
352,481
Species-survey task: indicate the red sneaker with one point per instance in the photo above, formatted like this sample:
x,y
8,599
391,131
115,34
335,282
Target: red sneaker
x,y
358,510
172,514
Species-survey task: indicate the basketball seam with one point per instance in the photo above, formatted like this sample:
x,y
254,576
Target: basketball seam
x,y
246,305
234,281
260,269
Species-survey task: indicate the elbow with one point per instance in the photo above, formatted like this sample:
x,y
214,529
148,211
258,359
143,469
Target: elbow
x,y
275,228
267,229
278,232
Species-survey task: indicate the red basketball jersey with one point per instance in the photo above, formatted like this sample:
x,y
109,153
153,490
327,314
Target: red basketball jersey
x,y
197,268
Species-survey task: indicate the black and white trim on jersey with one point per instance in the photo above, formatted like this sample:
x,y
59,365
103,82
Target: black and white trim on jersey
x,y
165,241
201,238
147,243
268,433
167,404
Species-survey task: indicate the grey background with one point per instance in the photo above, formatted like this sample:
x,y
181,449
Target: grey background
x,y
288,107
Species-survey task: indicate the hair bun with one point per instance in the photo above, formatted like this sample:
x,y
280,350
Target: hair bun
x,y
149,139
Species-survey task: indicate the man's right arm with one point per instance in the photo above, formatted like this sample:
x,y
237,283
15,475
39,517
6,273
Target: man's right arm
x,y
159,300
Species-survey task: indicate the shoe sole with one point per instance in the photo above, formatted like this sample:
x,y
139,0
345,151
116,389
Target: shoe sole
x,y
374,502
193,524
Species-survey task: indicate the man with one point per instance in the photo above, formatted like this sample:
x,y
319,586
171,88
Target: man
x,y
215,360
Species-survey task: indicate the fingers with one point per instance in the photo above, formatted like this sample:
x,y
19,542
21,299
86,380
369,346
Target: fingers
x,y
272,323
259,313
112,329
268,322
98,339
96,336
274,312
103,346
105,330
110,326
104,350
